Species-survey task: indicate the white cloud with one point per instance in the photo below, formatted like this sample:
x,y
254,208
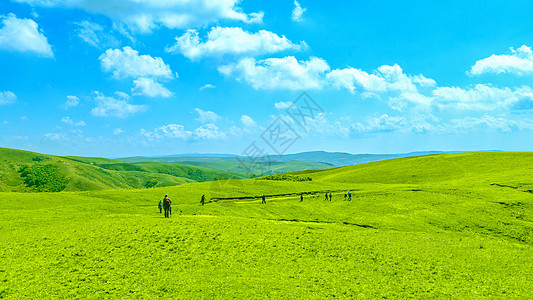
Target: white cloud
x,y
23,35
297,12
383,123
283,105
95,35
480,97
486,121
128,63
208,132
145,16
279,73
354,79
69,121
71,102
117,106
247,121
150,88
233,41
323,126
519,62
118,131
56,137
385,79
7,97
207,86
206,116
177,131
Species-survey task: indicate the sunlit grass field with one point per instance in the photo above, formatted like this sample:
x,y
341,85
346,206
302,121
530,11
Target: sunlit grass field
x,y
440,226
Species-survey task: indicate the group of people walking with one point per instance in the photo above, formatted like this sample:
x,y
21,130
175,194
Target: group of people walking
x,y
166,203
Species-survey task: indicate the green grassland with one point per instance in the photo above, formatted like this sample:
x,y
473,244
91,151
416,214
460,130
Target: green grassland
x,y
24,171
438,226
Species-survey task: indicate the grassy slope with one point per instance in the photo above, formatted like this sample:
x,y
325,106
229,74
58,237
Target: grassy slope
x,y
86,173
445,226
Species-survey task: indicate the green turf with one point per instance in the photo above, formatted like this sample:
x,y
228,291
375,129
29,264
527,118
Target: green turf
x,y
443,226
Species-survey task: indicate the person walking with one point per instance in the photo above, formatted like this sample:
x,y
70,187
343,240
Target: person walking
x,y
301,197
202,200
160,206
167,206
263,199
349,196
345,196
330,196
326,196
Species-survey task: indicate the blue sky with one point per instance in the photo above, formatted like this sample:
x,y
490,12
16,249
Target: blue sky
x,y
154,77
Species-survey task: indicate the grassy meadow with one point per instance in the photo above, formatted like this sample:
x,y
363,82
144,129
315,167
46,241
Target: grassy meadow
x,y
437,226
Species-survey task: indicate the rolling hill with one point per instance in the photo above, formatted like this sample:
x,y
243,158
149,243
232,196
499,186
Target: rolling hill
x,y
25,171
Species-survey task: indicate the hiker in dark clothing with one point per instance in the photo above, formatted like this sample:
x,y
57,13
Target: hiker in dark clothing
x,y
349,196
301,197
167,206
263,199
326,197
345,196
330,196
160,206
202,200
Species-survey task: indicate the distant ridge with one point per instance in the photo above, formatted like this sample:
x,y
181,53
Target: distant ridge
x,y
332,159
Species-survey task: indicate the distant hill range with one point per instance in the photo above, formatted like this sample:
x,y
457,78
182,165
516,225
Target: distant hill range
x,y
282,163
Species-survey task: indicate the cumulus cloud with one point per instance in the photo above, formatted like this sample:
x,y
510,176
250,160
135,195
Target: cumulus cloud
x,y
116,106
279,73
232,41
385,79
283,105
486,121
207,86
95,35
69,121
247,121
128,63
145,16
118,131
7,97
150,88
23,35
519,61
479,97
298,12
71,102
177,131
383,123
206,116
56,137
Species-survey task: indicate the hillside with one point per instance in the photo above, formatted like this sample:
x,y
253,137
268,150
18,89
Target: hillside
x,y
454,168
24,171
439,226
